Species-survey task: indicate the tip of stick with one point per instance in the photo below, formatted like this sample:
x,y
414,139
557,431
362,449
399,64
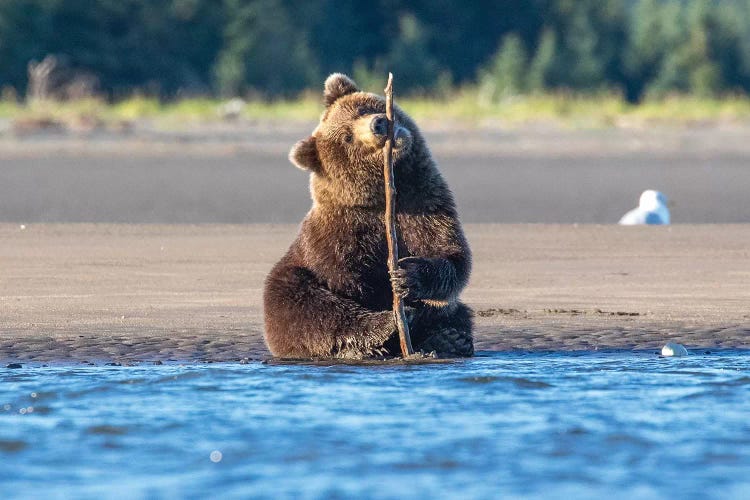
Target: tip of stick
x,y
390,82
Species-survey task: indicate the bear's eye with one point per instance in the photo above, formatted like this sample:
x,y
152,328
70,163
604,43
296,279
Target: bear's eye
x,y
362,111
348,138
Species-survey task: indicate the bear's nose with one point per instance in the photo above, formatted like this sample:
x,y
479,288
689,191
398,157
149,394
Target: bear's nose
x,y
379,125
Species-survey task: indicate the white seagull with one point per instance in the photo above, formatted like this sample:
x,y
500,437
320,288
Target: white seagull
x,y
652,209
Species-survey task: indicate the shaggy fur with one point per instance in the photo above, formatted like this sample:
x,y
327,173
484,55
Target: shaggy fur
x,y
331,294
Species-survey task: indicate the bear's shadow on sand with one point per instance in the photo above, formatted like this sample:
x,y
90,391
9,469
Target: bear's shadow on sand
x,y
414,360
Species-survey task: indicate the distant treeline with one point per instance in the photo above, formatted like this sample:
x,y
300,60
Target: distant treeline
x,y
273,48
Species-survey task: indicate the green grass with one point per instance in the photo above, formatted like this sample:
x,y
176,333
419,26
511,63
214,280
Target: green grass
x,y
581,111
463,107
687,109
559,109
206,110
9,109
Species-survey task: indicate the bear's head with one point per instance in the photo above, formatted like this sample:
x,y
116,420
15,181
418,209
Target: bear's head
x,y
345,151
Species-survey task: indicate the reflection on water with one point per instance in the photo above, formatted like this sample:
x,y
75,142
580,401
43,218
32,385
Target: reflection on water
x,y
578,425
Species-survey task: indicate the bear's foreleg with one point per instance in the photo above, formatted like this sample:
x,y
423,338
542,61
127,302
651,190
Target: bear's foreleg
x,y
306,319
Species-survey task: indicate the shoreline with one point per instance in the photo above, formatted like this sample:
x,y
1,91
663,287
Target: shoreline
x,y
451,139
127,293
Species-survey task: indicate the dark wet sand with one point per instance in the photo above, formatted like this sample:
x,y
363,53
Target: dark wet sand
x,y
128,293
241,175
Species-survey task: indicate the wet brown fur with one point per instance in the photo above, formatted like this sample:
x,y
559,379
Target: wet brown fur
x,y
331,294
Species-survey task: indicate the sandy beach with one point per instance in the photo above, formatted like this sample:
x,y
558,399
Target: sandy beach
x,y
129,293
153,245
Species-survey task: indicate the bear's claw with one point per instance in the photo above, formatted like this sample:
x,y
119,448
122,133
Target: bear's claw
x,y
409,281
399,283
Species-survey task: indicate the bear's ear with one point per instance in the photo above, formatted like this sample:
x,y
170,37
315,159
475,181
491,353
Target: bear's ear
x,y
304,155
338,85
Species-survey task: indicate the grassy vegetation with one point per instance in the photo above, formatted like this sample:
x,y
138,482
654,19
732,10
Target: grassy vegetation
x,y
464,107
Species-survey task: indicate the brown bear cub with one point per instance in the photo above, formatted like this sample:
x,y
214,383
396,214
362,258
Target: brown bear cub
x,y
331,294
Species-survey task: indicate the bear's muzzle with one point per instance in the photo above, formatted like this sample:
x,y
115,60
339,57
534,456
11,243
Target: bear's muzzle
x,y
373,131
379,125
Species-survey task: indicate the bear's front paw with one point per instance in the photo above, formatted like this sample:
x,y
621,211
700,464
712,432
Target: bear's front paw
x,y
411,281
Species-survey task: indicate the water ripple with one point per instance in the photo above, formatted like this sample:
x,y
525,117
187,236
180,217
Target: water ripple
x,y
12,445
107,430
521,382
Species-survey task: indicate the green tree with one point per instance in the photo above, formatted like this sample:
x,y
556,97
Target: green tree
x,y
261,52
704,70
505,75
590,36
585,70
646,48
162,46
20,24
541,65
278,47
408,57
743,46
693,59
342,32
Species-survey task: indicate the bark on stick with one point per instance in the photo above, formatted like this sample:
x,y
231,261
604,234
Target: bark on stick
x,y
390,221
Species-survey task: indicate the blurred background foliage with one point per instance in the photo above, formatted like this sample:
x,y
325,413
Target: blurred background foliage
x,y
170,49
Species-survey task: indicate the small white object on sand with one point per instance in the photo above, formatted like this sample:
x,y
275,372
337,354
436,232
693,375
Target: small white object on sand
x,y
652,209
672,349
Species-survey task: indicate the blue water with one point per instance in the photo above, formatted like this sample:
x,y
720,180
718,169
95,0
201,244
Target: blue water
x,y
620,425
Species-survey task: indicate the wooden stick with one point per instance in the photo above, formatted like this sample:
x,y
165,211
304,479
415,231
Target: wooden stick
x,y
390,221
